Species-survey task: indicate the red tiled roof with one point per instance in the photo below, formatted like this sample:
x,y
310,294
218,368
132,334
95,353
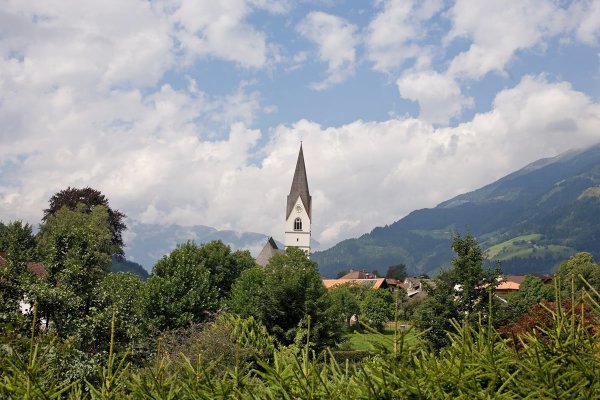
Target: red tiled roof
x,y
510,282
38,269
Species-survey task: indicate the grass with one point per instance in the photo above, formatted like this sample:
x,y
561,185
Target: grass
x,y
590,192
371,340
525,246
495,250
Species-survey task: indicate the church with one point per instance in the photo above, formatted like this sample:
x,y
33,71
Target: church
x,y
298,216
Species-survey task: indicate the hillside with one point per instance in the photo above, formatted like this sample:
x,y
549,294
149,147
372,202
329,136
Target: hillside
x,y
120,264
529,220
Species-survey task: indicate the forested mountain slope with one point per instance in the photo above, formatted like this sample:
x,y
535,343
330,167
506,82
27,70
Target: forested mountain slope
x,y
530,220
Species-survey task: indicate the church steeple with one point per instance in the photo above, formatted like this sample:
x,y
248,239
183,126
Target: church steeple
x,y
298,213
299,187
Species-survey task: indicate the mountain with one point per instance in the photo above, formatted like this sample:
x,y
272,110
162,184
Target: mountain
x,y
120,264
529,220
147,243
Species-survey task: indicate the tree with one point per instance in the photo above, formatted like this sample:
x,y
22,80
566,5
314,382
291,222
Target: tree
x,y
249,294
224,265
341,273
76,248
461,292
435,313
397,271
345,301
532,291
572,270
119,293
179,291
89,198
377,307
284,296
17,241
472,282
18,244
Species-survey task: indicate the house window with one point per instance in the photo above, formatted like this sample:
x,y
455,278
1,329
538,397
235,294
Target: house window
x,y
297,224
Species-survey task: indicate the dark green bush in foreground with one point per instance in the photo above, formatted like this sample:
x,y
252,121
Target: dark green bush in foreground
x,y
561,362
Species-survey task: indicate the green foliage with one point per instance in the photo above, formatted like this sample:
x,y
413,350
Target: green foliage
x,y
397,271
224,265
284,295
18,244
372,340
75,234
576,270
345,300
434,315
179,291
564,363
225,343
119,294
377,307
249,294
461,292
191,283
531,292
76,249
17,241
85,200
469,276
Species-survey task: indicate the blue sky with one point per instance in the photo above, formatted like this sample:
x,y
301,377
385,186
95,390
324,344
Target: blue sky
x,y
191,112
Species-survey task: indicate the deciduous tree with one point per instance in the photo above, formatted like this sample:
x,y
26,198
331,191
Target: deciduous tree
x,y
581,265
76,248
464,291
86,200
18,244
284,295
377,307
397,271
179,291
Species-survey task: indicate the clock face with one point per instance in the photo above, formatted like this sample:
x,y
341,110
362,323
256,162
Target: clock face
x,y
298,208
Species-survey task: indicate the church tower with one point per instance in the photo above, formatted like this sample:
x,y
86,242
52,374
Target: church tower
x,y
299,209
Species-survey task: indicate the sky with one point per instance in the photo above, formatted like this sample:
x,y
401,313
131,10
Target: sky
x,y
191,112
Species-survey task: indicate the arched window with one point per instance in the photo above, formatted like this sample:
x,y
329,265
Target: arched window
x,y
298,224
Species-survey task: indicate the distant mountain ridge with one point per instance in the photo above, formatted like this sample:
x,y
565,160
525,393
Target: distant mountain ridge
x,y
149,242
529,220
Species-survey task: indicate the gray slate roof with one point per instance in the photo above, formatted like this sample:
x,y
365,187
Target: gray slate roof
x,y
267,252
299,188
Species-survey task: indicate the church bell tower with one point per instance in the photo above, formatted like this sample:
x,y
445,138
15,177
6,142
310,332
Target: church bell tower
x,y
299,209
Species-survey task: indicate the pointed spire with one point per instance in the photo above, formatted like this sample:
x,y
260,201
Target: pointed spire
x,y
299,187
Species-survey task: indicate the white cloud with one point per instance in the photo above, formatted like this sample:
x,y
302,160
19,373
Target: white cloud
x,y
83,102
439,96
55,43
220,29
499,29
336,40
587,25
397,33
368,174
79,105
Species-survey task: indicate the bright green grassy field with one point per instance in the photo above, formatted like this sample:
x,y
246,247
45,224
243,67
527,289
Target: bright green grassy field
x,y
494,251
